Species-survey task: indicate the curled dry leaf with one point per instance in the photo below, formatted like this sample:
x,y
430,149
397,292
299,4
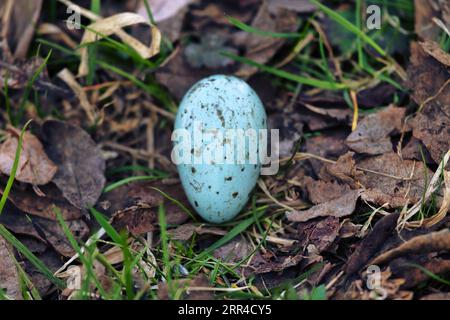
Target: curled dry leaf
x,y
28,201
80,174
373,133
9,276
339,207
431,242
113,25
45,230
34,165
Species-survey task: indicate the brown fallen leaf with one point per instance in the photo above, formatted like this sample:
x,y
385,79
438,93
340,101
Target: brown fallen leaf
x,y
344,170
425,11
34,165
329,146
429,81
137,220
80,174
134,207
416,150
290,130
373,133
339,207
234,251
44,206
52,261
434,50
431,242
389,289
321,233
47,231
406,269
19,74
261,49
277,264
320,191
371,243
9,276
399,182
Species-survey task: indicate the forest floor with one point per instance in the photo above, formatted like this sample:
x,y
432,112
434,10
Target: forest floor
x,y
91,203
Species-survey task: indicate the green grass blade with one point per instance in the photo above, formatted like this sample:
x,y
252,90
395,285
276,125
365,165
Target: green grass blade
x,y
349,26
31,257
13,172
239,228
326,85
245,27
28,88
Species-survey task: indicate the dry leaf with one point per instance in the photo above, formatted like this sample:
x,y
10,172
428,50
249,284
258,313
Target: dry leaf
x,y
339,207
320,191
28,201
261,49
113,25
45,230
34,165
445,206
134,207
429,81
80,164
371,243
399,183
9,276
373,133
430,242
321,233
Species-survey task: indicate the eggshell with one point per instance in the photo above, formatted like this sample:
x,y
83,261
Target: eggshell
x,y
218,190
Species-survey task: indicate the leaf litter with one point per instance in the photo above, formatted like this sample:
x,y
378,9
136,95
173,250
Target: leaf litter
x,y
358,186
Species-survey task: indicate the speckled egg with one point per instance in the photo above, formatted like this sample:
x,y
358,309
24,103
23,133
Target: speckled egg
x,y
216,186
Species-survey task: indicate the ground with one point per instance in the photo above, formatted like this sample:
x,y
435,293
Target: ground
x,y
92,206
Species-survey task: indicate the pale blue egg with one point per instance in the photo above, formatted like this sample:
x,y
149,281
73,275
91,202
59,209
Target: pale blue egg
x,y
219,189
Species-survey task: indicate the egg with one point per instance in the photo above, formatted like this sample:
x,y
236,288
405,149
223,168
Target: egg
x,y
216,145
